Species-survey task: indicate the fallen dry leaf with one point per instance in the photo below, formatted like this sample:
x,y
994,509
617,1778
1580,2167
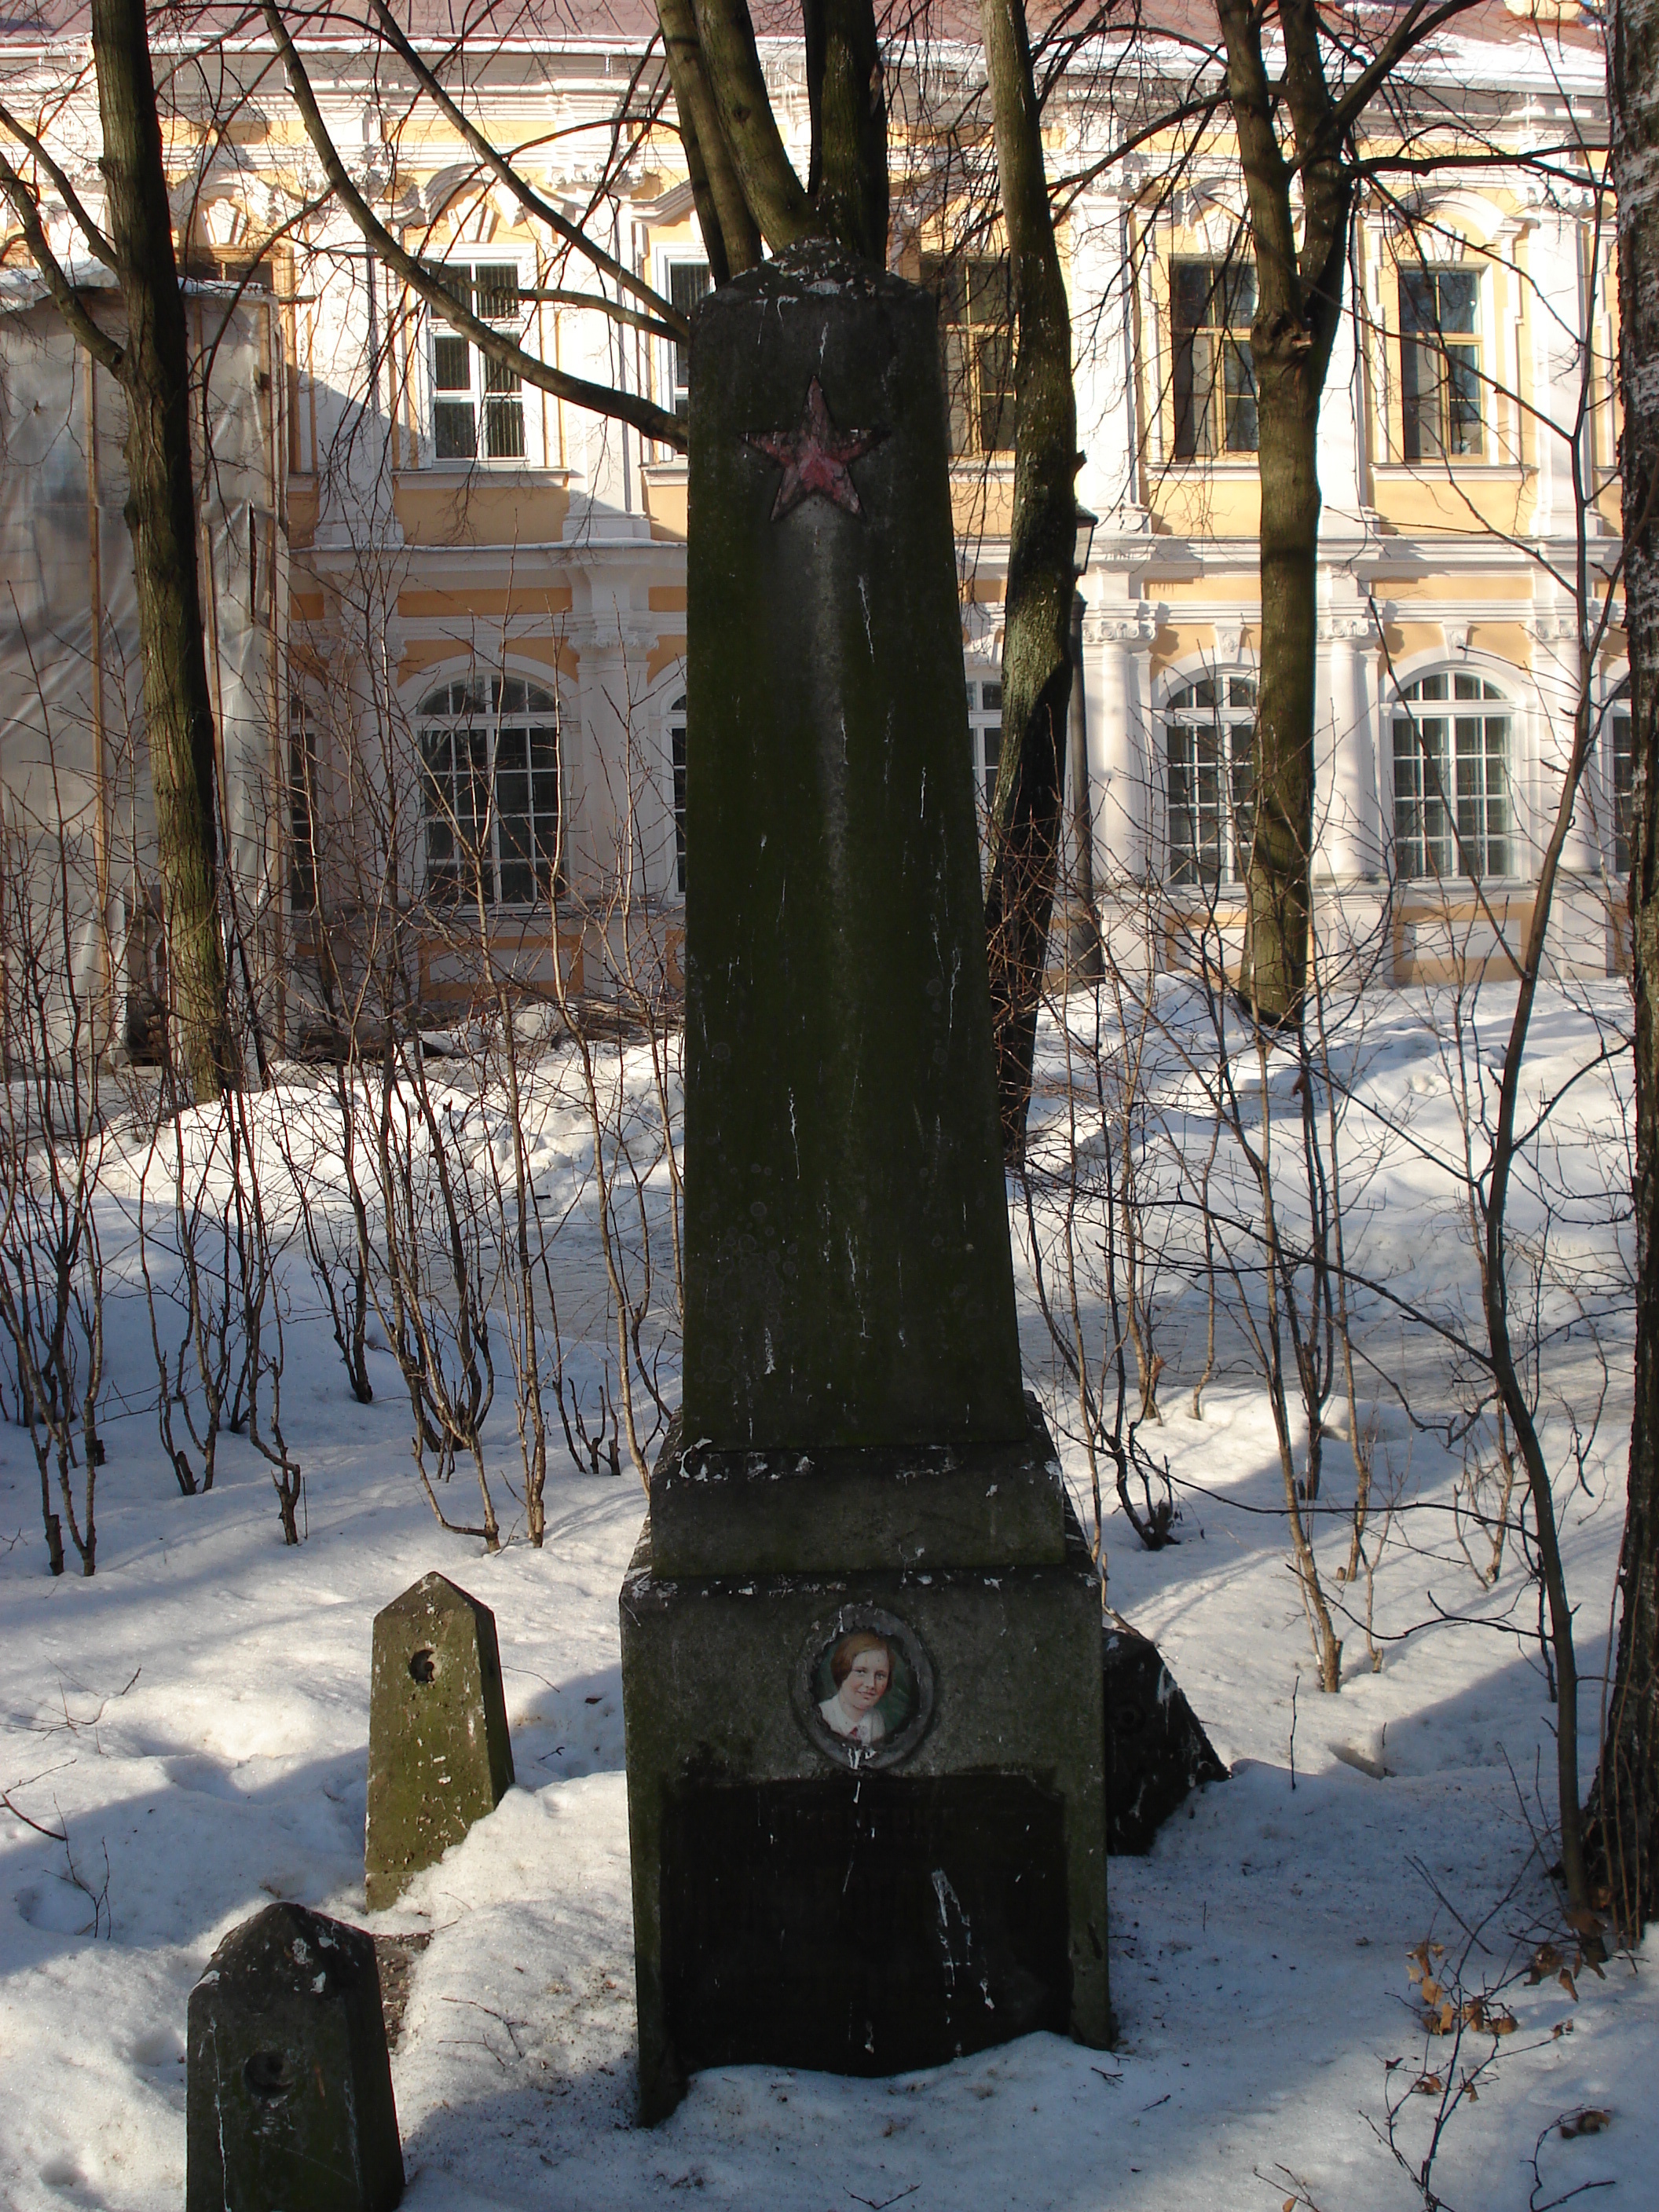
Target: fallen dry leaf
x,y
1592,2121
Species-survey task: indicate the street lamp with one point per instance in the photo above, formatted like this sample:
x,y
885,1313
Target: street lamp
x,y
1085,525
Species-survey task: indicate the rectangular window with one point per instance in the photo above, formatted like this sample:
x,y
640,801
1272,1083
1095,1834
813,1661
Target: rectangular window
x,y
1213,306
677,774
975,329
1440,363
985,731
301,805
477,403
1624,787
1452,814
688,282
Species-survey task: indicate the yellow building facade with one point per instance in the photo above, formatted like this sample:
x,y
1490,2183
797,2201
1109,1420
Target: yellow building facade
x,y
478,590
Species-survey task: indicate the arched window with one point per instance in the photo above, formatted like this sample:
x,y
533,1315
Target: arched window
x,y
1453,815
489,777
1209,730
676,772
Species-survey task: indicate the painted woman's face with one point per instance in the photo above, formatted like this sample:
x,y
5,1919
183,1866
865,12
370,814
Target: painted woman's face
x,y
866,1681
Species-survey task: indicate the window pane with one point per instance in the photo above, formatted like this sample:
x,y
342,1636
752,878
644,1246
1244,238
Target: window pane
x,y
454,435
688,282
1193,382
990,297
677,767
452,369
1417,310
1623,791
302,804
1456,287
504,429
1194,284
456,279
996,395
498,292
958,390
498,377
1418,390
1462,400
1241,426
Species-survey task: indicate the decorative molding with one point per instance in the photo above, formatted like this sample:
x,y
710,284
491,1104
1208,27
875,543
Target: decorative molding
x,y
1136,625
615,633
1351,627
1557,627
1456,635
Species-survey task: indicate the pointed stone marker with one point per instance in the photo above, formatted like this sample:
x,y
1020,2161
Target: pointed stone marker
x,y
288,2097
439,1755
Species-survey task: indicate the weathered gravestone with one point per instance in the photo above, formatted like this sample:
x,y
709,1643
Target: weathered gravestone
x,y
288,2100
1156,1752
439,1754
861,1636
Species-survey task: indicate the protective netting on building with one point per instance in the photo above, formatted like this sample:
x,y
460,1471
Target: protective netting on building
x,y
77,885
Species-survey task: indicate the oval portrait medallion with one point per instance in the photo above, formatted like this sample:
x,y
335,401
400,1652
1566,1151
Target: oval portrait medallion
x,y
864,1688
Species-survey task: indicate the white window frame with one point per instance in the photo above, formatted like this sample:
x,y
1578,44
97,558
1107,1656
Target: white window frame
x,y
489,710
1496,701
477,393
1615,711
669,352
1478,340
1227,714
983,718
674,785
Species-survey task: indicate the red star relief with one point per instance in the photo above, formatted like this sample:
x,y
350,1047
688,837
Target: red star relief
x,y
814,458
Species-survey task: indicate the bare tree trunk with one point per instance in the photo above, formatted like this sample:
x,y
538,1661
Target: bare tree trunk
x,y
1299,302
1029,805
162,519
1623,1821
848,183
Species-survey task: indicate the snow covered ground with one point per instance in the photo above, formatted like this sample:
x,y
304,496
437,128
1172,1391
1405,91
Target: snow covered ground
x,y
194,1720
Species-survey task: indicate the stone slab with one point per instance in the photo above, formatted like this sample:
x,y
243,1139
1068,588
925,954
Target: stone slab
x,y
440,1757
288,2103
943,1887
786,1512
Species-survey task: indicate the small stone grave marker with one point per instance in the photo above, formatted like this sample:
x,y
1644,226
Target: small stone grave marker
x,y
439,1755
1157,1751
288,2097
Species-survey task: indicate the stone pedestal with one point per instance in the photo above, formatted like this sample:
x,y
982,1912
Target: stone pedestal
x,y
803,1898
861,1634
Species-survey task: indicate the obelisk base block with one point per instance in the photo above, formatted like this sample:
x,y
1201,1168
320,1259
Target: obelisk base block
x,y
802,1898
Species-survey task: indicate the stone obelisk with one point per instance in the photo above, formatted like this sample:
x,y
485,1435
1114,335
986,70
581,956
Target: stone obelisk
x,y
860,1636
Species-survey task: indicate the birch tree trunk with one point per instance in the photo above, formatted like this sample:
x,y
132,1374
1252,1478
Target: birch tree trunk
x,y
1029,803
1623,1806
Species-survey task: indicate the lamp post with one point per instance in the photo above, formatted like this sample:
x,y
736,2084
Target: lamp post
x,y
1084,951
